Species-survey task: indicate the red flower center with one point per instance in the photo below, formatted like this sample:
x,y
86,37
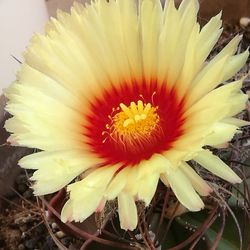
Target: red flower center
x,y
132,122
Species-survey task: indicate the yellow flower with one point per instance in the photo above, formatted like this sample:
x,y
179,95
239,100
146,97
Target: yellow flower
x,y
121,96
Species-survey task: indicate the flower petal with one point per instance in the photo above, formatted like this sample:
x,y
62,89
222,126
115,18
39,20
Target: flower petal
x,y
147,187
234,64
151,19
222,133
81,209
235,121
117,184
86,195
183,189
215,165
55,169
57,159
127,211
156,164
198,183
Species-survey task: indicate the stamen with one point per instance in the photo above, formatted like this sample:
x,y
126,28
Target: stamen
x,y
135,125
152,97
140,106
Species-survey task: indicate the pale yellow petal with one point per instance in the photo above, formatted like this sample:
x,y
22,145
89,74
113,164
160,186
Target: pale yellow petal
x,y
229,49
156,164
164,179
218,96
131,36
127,211
237,104
197,182
168,39
235,121
69,158
111,17
117,184
132,183
176,156
55,169
86,195
80,209
234,64
215,165
208,78
34,78
67,212
184,190
208,37
97,179
147,187
150,14
221,133
198,48
188,29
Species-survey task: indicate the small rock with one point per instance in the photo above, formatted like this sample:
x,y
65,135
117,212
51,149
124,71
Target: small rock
x,y
244,22
21,247
60,234
54,225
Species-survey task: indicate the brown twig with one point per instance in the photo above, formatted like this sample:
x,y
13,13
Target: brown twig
x,y
232,214
166,198
219,235
199,231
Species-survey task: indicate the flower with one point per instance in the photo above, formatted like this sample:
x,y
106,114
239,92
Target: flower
x,y
121,96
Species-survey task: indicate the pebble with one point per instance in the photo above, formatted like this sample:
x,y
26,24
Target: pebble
x,y
21,247
60,234
54,225
244,22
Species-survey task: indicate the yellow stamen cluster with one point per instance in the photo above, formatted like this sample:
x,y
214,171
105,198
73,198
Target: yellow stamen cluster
x,y
136,119
133,124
